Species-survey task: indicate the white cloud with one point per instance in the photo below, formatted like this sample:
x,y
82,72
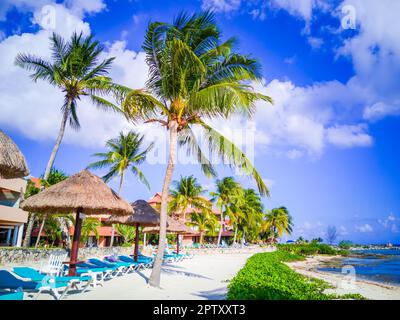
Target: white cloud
x,y
348,136
77,7
343,231
34,108
375,53
364,228
390,222
315,42
221,5
381,110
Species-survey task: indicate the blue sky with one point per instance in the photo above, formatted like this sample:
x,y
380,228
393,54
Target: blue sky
x,y
327,148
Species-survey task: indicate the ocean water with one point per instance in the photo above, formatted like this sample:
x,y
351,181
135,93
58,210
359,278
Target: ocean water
x,y
381,265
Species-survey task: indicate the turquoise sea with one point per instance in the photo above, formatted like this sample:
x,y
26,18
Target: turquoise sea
x,y
381,265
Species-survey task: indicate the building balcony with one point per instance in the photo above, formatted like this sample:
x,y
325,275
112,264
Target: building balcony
x,y
12,215
16,185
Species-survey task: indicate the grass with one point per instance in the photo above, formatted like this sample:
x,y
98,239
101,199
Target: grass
x,y
266,277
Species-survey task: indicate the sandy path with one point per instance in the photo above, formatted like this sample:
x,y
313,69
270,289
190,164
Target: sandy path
x,y
203,277
345,283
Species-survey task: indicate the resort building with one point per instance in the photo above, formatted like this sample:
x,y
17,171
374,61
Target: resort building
x,y
12,218
185,217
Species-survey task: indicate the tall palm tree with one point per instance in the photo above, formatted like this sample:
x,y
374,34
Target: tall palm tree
x,y
75,69
251,209
194,76
277,222
205,222
55,176
187,193
126,232
124,153
228,191
90,225
31,190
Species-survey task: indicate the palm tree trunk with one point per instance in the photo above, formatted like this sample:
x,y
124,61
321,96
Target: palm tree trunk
x,y
234,237
154,280
201,238
40,230
121,182
53,155
28,232
220,228
50,163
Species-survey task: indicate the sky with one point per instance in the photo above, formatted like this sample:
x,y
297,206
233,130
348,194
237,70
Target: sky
x,y
327,148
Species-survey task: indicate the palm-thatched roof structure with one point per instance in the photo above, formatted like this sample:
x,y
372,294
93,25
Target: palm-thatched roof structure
x,y
83,192
143,214
12,161
173,226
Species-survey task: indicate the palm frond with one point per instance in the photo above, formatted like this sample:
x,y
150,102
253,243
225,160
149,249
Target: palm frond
x,y
227,150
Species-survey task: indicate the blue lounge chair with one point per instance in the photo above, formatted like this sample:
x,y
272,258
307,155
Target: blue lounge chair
x,y
35,275
117,269
9,281
129,266
19,295
140,265
84,268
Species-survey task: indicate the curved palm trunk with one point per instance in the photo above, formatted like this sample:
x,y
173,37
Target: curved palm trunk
x,y
235,235
121,182
40,230
154,280
50,164
201,237
28,232
220,228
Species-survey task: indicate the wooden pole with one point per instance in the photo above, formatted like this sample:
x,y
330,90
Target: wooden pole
x,y
135,255
75,245
177,243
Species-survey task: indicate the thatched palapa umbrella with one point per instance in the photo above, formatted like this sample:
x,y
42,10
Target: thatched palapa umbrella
x,y
83,194
143,215
12,161
173,226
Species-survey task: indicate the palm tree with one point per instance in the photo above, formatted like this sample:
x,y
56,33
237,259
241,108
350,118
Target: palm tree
x,y
194,76
228,191
278,221
205,222
124,153
76,70
251,209
31,190
90,225
55,176
126,232
187,193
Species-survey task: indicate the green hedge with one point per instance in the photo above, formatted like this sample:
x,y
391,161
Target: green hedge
x,y
265,277
310,249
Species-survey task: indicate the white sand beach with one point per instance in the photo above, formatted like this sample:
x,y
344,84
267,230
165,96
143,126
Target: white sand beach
x,y
343,283
203,277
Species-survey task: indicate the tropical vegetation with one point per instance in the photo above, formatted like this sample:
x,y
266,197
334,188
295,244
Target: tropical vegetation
x,y
194,76
266,277
125,152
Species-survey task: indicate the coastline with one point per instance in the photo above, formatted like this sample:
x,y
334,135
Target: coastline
x,y
343,283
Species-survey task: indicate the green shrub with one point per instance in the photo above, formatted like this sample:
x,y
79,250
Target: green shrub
x,y
266,277
307,249
345,244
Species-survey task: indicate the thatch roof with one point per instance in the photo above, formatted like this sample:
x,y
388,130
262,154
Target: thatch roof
x,y
173,226
84,192
12,161
143,213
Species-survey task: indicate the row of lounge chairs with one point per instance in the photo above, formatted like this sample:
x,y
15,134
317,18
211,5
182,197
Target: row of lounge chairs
x,y
91,273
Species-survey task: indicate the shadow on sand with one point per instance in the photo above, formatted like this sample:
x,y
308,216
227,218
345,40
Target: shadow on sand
x,y
216,294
